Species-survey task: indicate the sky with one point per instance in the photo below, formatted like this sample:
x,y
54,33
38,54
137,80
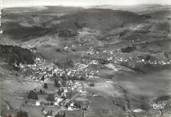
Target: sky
x,y
22,3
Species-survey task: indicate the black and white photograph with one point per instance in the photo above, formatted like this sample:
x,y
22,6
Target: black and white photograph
x,y
85,58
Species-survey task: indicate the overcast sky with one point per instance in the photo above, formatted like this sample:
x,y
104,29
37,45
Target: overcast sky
x,y
16,3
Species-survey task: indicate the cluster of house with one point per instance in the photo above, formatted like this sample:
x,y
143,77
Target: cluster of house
x,y
63,85
113,58
152,62
50,113
64,97
42,70
116,59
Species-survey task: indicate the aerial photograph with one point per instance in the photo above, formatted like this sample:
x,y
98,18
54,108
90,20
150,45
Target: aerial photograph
x,y
85,58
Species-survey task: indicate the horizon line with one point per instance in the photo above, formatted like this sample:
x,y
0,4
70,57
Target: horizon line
x,y
83,6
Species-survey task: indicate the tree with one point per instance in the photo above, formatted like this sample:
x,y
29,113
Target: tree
x,y
160,104
67,33
45,86
65,63
56,83
22,114
60,114
128,49
43,78
51,97
16,55
33,95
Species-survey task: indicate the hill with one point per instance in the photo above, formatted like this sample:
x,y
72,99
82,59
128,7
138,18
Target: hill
x,y
35,24
16,55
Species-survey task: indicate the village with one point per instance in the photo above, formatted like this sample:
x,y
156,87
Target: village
x,y
60,90
64,89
